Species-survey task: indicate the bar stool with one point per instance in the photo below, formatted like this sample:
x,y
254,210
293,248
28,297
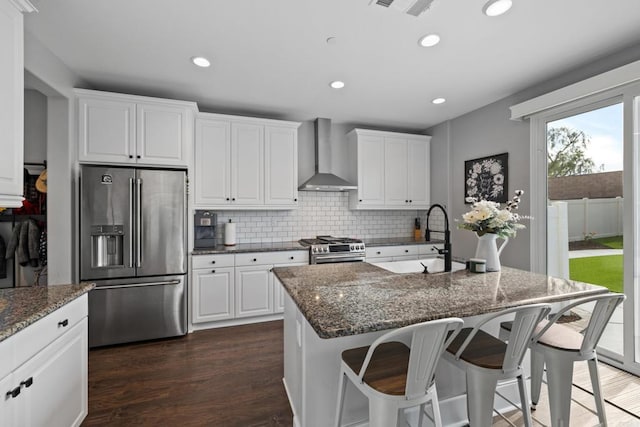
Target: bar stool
x,y
394,375
487,360
559,346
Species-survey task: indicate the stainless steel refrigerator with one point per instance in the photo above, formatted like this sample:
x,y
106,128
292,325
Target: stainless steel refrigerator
x,y
133,246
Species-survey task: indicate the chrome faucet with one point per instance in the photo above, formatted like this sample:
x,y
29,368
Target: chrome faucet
x,y
447,236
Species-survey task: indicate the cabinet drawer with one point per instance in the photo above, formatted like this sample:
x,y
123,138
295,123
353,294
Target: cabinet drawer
x,y
46,330
430,250
392,251
208,261
7,353
272,258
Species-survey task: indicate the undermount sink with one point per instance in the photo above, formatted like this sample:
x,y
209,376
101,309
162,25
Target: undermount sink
x,y
434,265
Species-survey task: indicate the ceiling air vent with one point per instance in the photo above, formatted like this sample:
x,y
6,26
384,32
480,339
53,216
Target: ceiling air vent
x,y
410,7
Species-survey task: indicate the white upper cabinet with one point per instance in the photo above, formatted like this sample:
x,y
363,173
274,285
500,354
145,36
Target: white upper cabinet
x,y
127,129
12,101
393,170
245,163
281,165
370,160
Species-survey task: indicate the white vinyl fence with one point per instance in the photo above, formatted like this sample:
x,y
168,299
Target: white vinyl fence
x,y
593,218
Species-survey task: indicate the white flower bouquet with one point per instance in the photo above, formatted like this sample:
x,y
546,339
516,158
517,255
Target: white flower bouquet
x,y
488,217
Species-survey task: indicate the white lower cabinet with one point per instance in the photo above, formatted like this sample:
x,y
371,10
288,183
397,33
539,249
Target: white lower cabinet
x,y
49,381
402,252
254,290
241,286
214,294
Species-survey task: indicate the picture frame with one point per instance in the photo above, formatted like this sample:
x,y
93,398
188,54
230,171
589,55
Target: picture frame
x,y
486,178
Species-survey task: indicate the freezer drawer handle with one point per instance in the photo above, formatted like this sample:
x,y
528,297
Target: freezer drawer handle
x,y
138,285
64,323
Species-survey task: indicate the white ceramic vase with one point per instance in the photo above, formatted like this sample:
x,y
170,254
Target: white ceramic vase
x,y
488,249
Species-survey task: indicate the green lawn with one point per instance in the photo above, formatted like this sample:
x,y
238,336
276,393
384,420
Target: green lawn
x,y
614,242
600,270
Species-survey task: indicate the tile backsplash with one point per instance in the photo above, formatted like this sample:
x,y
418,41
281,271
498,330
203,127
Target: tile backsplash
x,y
323,213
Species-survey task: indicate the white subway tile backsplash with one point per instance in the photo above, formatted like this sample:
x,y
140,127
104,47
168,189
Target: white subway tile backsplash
x,y
324,213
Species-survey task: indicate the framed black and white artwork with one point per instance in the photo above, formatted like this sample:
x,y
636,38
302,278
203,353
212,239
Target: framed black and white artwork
x,y
486,178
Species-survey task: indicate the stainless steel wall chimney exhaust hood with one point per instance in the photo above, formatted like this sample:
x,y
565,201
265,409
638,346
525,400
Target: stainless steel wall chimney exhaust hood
x,y
324,180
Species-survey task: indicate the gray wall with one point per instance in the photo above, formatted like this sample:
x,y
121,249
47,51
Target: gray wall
x,y
35,126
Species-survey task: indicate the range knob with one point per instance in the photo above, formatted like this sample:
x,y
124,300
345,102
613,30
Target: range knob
x,y
325,249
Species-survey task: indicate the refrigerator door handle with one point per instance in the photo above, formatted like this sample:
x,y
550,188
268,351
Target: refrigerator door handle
x,y
137,285
139,255
131,213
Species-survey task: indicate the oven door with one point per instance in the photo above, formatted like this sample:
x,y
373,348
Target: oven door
x,y
336,257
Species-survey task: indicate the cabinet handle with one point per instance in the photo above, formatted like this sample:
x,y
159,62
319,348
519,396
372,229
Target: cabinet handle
x,y
410,201
213,262
227,199
27,383
255,259
213,271
64,323
378,253
360,200
271,270
13,393
290,257
406,251
233,199
295,200
138,156
406,201
130,156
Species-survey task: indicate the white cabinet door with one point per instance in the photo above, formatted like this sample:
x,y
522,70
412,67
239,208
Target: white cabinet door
x,y
55,381
11,105
212,161
7,403
371,170
254,290
281,166
107,130
418,182
162,134
395,172
247,164
213,294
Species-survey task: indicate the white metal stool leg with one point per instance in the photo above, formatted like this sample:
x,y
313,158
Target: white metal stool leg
x,y
382,413
341,395
559,382
480,396
437,419
597,390
524,401
537,369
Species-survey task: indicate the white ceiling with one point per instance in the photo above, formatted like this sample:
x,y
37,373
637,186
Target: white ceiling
x,y
271,58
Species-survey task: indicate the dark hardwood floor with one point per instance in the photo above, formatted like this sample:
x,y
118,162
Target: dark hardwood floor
x,y
217,377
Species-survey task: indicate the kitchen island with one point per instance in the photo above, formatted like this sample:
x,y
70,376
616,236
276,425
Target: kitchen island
x,y
333,307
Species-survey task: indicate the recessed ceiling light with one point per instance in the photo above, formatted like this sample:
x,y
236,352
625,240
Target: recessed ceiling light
x,y
429,40
439,101
496,7
201,61
337,84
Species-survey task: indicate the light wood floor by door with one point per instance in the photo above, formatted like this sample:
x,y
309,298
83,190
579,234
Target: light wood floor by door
x,y
232,377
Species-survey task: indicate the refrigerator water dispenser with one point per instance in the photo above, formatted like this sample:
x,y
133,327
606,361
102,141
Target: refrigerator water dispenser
x,y
107,246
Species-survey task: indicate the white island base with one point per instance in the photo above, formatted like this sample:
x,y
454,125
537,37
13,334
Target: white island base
x,y
312,366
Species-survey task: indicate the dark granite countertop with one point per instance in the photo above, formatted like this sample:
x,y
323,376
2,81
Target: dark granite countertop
x,y
251,247
295,246
354,298
20,307
399,241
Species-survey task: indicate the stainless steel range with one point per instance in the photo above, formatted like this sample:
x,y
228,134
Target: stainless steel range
x,y
328,249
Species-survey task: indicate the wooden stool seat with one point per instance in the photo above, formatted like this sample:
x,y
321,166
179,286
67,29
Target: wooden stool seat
x,y
557,336
387,371
484,350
